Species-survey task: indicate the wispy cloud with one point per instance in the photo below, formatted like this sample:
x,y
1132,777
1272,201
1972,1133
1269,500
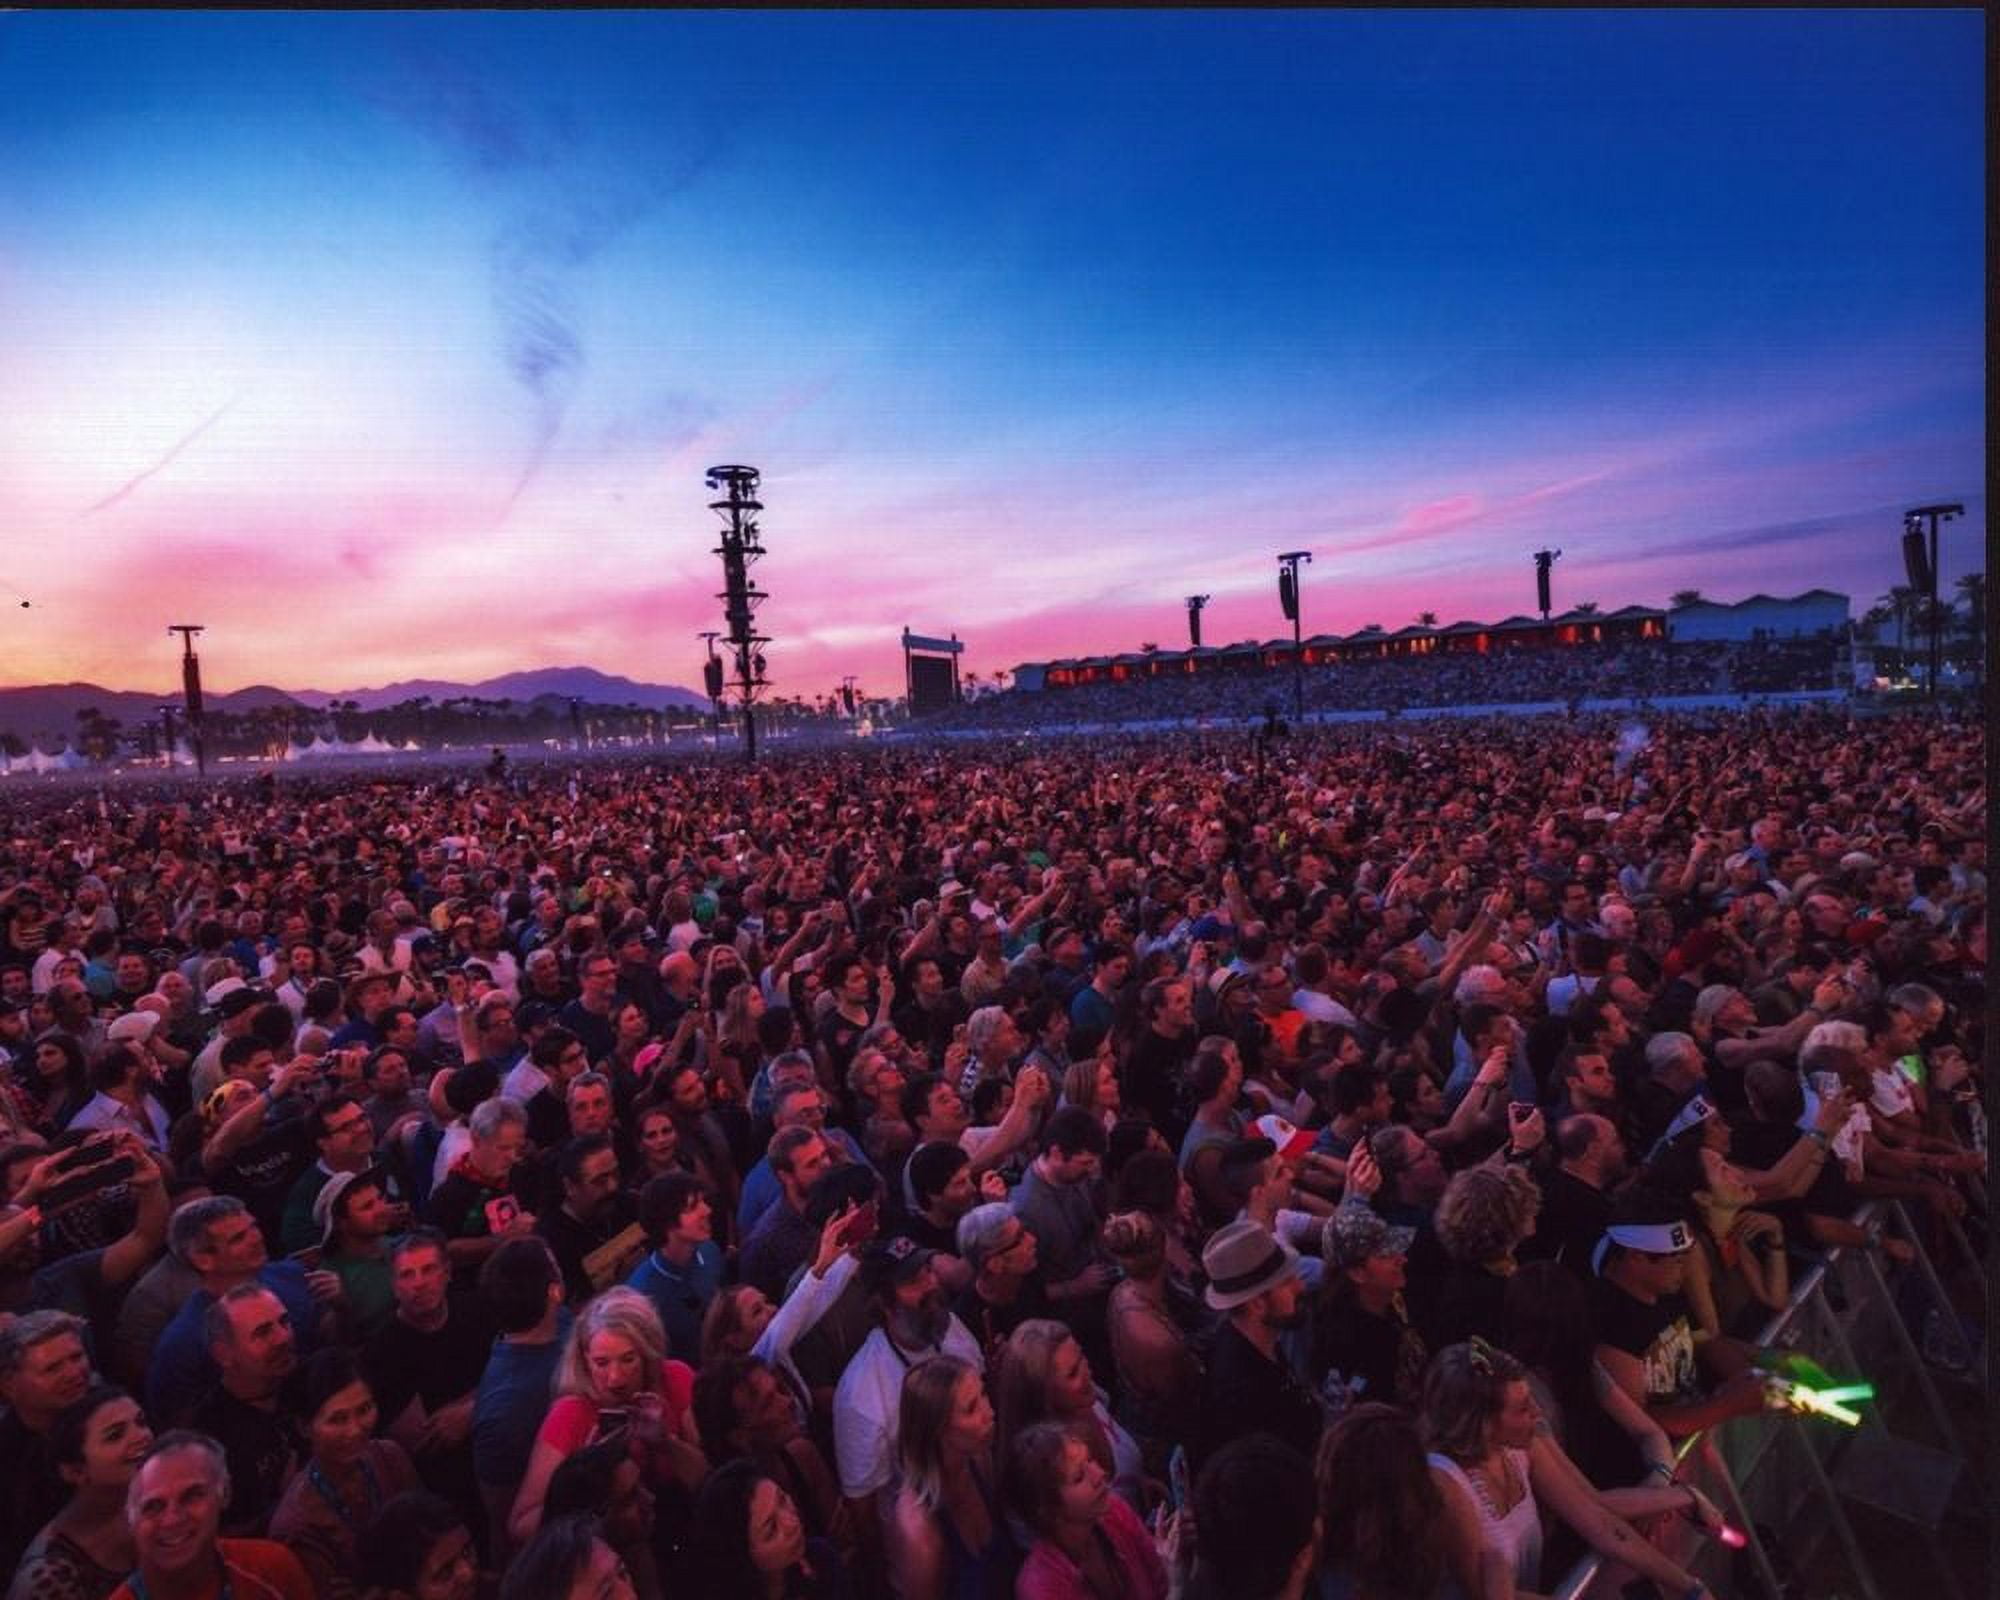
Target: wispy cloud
x,y
131,484
565,203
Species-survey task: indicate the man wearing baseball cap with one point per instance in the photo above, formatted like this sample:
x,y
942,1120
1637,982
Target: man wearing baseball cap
x,y
1253,1279
1645,1334
913,1323
1362,1337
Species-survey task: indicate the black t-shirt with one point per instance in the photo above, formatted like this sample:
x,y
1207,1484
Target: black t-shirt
x,y
599,1037
1470,1302
548,1120
990,1324
263,1449
1572,1220
930,1030
1153,1076
572,1241
1374,1358
1660,1336
839,1036
931,1235
1759,1146
457,1207
403,1362
262,1173
1245,1393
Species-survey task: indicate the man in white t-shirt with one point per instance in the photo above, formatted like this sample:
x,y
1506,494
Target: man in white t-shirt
x,y
914,1323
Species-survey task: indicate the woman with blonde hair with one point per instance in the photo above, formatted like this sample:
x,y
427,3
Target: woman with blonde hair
x,y
614,1379
1044,1376
1497,1464
876,1083
1092,1083
944,1536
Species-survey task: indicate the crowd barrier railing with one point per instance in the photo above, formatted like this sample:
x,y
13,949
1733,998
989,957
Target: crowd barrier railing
x,y
1788,1477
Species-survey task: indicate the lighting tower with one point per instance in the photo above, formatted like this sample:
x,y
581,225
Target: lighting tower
x,y
1195,602
1544,559
740,546
1926,576
191,690
1288,600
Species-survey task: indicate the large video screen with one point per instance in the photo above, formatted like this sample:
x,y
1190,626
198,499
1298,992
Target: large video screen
x,y
930,684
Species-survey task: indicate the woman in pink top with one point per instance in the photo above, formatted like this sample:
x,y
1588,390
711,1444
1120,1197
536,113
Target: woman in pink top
x,y
615,1376
1089,1544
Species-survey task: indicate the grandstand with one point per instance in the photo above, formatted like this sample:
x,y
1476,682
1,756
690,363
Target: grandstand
x,y
1758,646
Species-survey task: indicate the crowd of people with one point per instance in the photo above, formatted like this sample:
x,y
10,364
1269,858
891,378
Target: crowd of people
x,y
1088,1171
1638,670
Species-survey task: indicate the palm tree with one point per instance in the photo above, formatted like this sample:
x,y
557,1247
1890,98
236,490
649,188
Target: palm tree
x,y
1585,608
1973,587
97,734
1684,597
1427,619
1902,601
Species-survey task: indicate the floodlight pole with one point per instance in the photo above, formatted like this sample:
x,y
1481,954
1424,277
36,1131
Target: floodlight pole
x,y
1290,560
191,690
1914,521
1544,560
738,507
1195,603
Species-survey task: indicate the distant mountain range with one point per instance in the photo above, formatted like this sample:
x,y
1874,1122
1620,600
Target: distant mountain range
x,y
563,683
49,711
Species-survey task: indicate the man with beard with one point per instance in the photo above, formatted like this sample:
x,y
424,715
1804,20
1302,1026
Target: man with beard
x,y
594,1214
915,1323
1254,1280
1576,1196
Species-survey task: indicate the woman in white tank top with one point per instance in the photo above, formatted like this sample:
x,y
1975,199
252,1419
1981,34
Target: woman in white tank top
x,y
1497,1465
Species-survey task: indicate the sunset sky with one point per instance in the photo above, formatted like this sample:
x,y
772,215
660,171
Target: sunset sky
x,y
397,345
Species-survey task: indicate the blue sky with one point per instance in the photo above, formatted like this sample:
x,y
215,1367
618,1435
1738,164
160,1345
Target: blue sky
x,y
397,344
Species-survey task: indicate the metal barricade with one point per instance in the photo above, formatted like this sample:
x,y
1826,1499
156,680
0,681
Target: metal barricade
x,y
1793,1475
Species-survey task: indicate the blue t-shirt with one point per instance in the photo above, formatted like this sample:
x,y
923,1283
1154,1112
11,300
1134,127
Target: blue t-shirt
x,y
761,1191
681,1295
512,1399
181,1369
